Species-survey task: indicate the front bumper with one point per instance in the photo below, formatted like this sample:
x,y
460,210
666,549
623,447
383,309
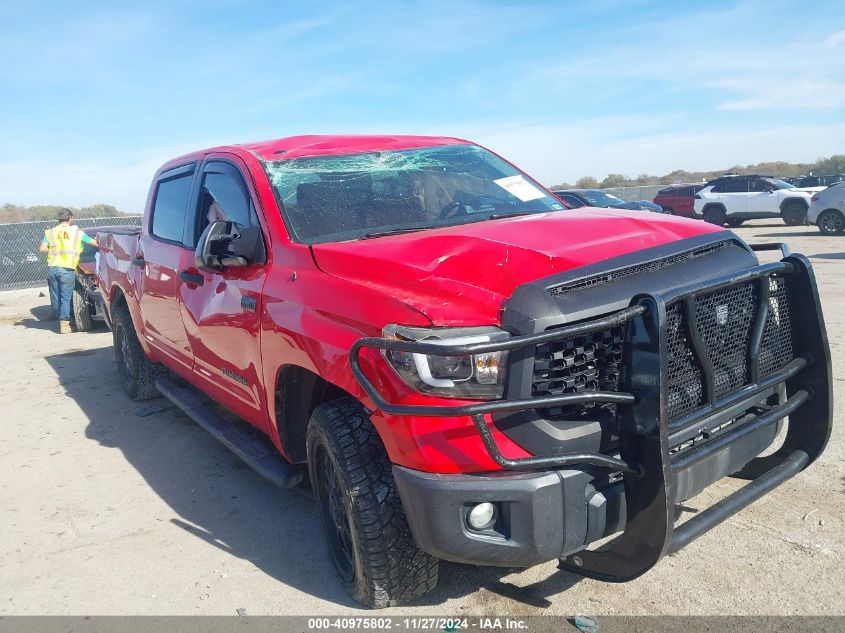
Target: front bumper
x,y
569,500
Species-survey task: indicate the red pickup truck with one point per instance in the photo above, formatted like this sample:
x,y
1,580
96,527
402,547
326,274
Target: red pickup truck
x,y
462,369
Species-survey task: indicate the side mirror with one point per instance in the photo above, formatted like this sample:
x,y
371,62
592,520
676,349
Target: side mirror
x,y
225,244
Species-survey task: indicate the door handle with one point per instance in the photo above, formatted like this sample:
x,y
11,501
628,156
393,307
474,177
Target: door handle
x,y
191,278
138,260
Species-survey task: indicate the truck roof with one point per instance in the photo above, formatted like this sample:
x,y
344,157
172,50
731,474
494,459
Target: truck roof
x,y
328,144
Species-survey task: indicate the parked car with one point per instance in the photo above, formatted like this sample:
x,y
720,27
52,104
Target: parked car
x,y
820,181
732,200
678,199
827,210
601,199
460,373
87,302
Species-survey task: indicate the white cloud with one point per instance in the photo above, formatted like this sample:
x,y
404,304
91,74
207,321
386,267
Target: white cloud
x,y
564,153
834,39
551,153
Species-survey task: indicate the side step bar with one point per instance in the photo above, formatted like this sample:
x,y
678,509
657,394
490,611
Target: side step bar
x,y
238,437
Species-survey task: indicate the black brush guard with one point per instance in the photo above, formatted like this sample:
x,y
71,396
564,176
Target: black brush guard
x,y
644,457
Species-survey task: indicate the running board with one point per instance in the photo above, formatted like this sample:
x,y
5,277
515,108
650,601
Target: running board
x,y
245,442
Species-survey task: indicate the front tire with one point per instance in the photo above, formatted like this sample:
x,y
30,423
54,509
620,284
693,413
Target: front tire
x,y
366,530
137,373
831,222
80,312
794,214
714,215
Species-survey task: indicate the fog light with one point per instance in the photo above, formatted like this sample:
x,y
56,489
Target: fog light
x,y
481,516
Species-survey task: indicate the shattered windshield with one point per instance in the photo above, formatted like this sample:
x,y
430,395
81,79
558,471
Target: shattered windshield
x,y
354,196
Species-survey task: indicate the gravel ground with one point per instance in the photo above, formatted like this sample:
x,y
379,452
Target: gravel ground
x,y
113,507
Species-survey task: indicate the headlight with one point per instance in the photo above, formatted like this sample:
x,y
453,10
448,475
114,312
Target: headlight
x,y
476,376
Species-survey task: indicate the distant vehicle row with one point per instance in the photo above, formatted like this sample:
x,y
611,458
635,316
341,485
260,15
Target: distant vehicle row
x,y
732,199
815,181
575,198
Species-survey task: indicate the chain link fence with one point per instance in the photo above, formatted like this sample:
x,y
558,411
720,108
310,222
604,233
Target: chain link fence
x,y
21,265
633,194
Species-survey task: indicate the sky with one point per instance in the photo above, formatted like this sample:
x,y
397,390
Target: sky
x,y
95,96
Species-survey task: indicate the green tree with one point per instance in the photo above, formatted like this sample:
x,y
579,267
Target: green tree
x,y
616,180
586,182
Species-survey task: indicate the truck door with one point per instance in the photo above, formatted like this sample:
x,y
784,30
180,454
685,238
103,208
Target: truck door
x,y
222,309
162,255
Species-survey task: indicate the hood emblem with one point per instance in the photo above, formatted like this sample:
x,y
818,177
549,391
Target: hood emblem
x,y
721,314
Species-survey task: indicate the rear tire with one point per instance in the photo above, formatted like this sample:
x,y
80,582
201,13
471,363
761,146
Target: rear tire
x,y
794,214
714,215
80,313
137,373
831,222
368,535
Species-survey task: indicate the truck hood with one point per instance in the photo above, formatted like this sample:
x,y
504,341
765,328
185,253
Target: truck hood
x,y
462,275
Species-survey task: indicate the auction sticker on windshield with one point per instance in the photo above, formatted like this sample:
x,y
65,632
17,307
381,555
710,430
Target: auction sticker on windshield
x,y
519,187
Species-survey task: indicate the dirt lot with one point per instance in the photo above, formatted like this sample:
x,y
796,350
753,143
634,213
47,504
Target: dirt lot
x,y
113,507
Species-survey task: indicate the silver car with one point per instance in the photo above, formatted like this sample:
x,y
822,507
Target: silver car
x,y
827,210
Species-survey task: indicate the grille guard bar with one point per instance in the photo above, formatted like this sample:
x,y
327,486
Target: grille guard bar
x,y
476,411
644,458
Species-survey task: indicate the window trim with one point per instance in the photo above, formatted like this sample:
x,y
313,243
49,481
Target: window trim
x,y
226,164
165,176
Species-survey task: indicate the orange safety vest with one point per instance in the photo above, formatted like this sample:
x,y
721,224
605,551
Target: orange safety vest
x,y
64,245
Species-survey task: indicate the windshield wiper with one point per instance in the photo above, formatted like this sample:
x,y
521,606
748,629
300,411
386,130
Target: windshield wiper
x,y
499,216
397,231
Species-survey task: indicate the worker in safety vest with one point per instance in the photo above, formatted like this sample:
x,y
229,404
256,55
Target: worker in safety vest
x,y
63,244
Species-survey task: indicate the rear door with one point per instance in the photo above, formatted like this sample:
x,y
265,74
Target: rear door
x,y
733,193
222,309
684,201
163,254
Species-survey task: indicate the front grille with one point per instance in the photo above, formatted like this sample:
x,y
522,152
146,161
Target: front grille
x,y
725,321
776,349
726,342
686,378
576,365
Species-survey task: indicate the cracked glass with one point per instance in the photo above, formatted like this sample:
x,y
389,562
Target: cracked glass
x,y
354,196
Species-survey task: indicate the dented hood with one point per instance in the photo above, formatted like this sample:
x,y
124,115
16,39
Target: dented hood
x,y
462,275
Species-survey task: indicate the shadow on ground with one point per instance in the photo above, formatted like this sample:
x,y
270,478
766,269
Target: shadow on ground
x,y
828,256
220,500
43,318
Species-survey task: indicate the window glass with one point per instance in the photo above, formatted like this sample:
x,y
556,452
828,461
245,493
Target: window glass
x,y
734,185
779,184
686,192
169,208
601,199
571,200
352,196
758,185
224,198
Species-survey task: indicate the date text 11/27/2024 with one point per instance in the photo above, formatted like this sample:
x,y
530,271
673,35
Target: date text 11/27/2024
x,y
450,625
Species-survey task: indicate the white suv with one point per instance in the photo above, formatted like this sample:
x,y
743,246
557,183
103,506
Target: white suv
x,y
733,199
